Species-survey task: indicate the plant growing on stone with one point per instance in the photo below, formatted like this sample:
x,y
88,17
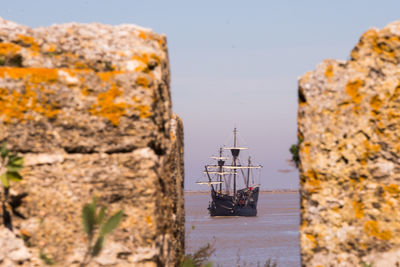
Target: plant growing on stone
x,y
96,224
200,257
294,150
10,165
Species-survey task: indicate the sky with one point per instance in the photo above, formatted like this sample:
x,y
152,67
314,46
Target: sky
x,y
233,63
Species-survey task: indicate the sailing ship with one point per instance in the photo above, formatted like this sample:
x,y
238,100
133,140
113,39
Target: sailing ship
x,y
228,199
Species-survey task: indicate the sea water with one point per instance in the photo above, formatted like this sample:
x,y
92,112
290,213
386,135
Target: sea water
x,y
247,241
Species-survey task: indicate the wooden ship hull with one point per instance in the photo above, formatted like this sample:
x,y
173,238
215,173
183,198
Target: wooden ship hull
x,y
225,205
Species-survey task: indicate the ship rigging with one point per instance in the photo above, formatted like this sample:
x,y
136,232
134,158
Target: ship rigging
x,y
228,200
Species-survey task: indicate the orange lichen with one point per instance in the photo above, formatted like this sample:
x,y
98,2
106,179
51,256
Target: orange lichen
x,y
52,48
28,41
329,71
9,49
305,148
144,111
106,76
144,61
371,147
151,36
311,181
142,35
33,75
371,228
107,107
375,102
352,88
143,81
15,105
335,209
80,65
358,207
149,220
311,239
392,189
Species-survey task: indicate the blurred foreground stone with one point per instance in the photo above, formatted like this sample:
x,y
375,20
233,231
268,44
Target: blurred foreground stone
x,y
89,108
349,123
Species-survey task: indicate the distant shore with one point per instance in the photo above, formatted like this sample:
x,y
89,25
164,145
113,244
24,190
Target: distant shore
x,y
275,191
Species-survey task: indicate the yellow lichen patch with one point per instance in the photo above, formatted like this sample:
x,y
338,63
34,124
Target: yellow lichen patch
x,y
386,49
144,111
9,49
143,81
142,35
329,71
358,209
106,76
392,189
28,41
311,239
149,220
371,148
144,61
375,102
52,48
336,209
371,228
352,88
33,75
15,105
151,36
305,148
80,65
311,181
107,107
85,90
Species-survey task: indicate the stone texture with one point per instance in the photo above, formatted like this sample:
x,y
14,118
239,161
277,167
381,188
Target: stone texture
x,y
88,106
13,250
349,123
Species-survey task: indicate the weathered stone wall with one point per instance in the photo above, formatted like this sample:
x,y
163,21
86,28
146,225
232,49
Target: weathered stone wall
x,y
349,123
88,106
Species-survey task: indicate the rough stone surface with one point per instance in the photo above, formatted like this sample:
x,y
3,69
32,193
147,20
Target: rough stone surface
x,y
13,250
88,106
349,123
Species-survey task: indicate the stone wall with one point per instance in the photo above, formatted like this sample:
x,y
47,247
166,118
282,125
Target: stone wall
x,y
89,108
349,124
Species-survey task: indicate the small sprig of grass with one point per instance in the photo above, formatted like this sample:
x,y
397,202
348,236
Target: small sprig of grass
x,y
10,165
95,224
200,257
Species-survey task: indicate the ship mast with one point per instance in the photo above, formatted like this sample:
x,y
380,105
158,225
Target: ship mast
x,y
235,154
220,164
248,173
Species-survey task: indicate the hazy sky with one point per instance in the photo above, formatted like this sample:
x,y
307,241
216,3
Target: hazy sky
x,y
232,62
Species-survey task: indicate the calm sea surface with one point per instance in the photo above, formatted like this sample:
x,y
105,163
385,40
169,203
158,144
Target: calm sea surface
x,y
251,240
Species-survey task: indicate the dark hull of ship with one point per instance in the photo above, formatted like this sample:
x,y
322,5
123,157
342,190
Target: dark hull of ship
x,y
245,204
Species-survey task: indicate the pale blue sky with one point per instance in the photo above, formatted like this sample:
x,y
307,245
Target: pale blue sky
x,y
232,62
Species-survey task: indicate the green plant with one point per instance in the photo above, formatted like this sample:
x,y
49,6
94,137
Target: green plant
x,y
364,264
95,224
10,165
294,149
47,260
200,257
